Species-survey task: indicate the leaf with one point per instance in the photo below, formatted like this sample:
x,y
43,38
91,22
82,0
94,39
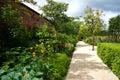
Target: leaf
x,y
41,79
5,77
32,72
11,74
1,72
39,73
27,67
17,75
36,79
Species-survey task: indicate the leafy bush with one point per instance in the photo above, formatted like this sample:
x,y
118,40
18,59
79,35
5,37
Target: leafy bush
x,y
65,43
98,39
13,32
110,53
70,28
60,64
46,35
30,63
36,63
88,40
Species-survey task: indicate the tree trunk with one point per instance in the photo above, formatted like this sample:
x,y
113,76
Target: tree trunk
x,y
93,43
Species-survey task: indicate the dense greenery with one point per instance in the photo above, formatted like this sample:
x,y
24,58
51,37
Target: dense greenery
x,y
98,39
60,65
12,29
114,28
39,54
93,23
55,11
110,53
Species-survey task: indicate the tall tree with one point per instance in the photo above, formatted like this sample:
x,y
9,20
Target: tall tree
x,y
114,27
93,22
55,11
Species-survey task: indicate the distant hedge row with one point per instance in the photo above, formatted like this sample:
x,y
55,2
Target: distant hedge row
x,y
110,54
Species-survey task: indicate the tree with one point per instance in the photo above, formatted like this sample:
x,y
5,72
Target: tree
x,y
114,27
93,22
55,12
83,32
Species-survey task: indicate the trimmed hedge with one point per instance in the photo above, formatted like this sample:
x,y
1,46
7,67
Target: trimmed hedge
x,y
60,64
110,54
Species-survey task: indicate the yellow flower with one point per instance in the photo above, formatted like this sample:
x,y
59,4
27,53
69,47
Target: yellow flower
x,y
37,45
31,48
25,75
33,53
48,46
42,51
42,43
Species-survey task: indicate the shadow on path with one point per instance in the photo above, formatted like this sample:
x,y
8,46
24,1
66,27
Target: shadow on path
x,y
86,65
81,70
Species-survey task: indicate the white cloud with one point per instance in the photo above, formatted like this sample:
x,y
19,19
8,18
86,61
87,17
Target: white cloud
x,y
108,15
76,7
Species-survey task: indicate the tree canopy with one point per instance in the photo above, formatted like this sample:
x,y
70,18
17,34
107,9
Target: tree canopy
x,y
93,21
114,27
55,11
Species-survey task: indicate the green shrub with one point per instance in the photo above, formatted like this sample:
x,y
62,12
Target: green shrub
x,y
110,54
45,35
13,32
88,40
26,64
65,43
38,62
98,39
60,64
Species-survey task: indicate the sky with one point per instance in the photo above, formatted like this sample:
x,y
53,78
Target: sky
x,y
110,8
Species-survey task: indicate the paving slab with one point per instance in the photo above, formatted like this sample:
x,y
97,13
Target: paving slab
x,y
86,65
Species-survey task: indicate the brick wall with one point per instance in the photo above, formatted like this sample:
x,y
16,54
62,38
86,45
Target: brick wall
x,y
30,18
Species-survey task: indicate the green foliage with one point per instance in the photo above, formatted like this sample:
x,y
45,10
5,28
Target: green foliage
x,y
10,15
43,58
45,34
54,11
110,53
70,28
28,1
84,32
93,22
38,62
98,39
114,28
65,43
88,40
28,64
35,63
103,33
15,34
60,64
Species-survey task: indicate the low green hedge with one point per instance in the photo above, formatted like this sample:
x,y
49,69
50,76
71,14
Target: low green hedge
x,y
110,54
60,64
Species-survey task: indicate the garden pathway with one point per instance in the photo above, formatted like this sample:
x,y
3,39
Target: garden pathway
x,y
86,65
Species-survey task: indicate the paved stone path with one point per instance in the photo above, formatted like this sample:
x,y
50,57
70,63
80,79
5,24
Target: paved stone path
x,y
86,65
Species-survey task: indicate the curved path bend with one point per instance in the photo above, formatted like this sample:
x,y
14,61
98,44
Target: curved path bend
x,y
86,65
